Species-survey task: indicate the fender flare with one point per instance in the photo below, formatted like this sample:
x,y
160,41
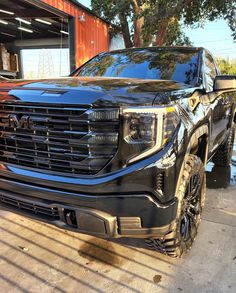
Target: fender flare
x,y
200,131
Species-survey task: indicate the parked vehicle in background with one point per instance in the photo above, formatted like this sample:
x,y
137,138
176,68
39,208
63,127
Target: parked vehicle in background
x,y
119,148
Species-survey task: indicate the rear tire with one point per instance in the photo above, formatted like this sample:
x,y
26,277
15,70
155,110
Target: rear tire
x,y
223,155
191,196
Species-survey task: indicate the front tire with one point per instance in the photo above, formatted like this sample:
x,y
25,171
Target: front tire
x,y
191,196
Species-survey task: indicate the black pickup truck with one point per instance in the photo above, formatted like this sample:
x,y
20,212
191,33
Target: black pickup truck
x,y
119,148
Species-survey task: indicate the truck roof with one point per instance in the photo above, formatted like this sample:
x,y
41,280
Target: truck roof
x,y
178,48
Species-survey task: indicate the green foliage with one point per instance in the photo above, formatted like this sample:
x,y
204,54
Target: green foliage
x,y
175,36
226,66
140,20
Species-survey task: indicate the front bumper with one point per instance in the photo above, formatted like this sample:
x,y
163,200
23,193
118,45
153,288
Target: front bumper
x,y
103,216
128,203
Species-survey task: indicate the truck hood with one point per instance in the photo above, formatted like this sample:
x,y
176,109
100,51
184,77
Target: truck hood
x,y
94,91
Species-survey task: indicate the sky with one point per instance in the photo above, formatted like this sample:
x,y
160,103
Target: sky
x,y
214,36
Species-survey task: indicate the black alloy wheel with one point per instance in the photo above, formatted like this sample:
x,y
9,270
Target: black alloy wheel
x,y
191,196
191,208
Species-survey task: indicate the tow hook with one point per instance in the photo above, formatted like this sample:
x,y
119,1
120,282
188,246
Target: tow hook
x,y
70,217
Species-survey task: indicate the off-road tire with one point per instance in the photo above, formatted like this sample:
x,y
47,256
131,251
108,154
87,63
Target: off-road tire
x,y
224,153
174,244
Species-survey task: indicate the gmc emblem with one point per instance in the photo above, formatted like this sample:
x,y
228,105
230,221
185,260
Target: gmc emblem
x,y
24,121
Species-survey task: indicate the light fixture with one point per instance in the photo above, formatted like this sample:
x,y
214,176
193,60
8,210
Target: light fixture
x,y
9,35
82,18
64,32
25,29
23,20
7,12
43,21
53,32
3,21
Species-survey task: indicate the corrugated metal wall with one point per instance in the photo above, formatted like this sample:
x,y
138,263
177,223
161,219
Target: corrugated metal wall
x,y
91,36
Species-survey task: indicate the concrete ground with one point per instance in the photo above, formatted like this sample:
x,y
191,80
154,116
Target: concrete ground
x,y
40,258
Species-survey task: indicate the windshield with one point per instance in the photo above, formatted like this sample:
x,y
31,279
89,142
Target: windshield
x,y
145,64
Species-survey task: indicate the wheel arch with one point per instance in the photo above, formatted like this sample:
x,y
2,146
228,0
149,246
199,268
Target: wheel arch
x,y
201,134
198,143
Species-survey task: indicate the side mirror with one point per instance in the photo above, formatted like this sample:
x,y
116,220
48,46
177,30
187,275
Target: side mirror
x,y
225,83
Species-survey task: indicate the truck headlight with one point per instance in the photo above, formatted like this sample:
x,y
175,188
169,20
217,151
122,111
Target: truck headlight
x,y
148,129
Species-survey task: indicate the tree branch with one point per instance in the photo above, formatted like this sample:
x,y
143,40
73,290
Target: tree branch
x,y
125,31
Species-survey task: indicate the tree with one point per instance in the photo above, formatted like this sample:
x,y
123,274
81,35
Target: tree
x,y
226,66
140,20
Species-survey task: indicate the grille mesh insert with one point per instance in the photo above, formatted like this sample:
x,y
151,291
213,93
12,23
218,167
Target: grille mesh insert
x,y
62,139
43,211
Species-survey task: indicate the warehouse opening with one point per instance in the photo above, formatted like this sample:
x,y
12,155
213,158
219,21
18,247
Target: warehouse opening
x,y
47,38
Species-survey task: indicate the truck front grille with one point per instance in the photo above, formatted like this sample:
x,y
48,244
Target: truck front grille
x,y
63,139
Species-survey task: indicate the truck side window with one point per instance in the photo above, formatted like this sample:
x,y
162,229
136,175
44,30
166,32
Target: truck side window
x,y
210,71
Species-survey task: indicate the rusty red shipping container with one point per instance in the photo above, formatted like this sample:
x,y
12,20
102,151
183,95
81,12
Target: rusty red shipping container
x,y
91,35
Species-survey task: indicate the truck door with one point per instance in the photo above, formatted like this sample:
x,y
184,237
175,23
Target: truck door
x,y
219,104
